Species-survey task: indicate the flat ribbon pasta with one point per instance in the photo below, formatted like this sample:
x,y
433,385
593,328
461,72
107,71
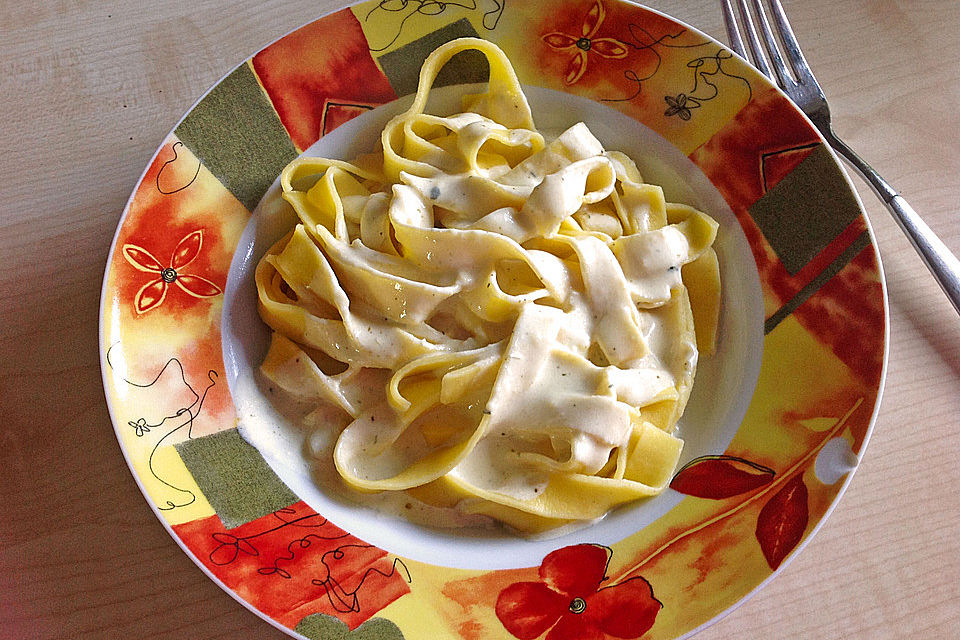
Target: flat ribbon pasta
x,y
504,322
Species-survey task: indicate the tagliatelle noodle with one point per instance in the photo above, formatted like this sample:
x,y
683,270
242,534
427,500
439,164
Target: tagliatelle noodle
x,y
504,322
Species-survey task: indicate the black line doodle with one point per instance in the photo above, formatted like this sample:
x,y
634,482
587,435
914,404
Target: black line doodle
x,y
681,104
303,543
411,8
704,69
331,103
770,154
188,414
171,161
643,40
230,546
340,599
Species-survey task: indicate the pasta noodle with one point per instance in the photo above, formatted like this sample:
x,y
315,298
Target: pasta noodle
x,y
504,322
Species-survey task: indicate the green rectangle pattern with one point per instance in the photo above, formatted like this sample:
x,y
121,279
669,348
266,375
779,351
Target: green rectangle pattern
x,y
238,136
233,476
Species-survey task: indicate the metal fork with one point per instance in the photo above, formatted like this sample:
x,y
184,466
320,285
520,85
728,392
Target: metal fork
x,y
802,87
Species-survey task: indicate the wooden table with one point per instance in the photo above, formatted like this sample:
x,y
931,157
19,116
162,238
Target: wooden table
x,y
87,92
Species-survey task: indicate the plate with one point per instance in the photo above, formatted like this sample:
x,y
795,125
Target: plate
x,y
776,424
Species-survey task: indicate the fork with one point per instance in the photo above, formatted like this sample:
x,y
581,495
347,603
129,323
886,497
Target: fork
x,y
802,87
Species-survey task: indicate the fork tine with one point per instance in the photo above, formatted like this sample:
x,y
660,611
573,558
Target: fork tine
x,y
791,44
759,59
733,33
783,75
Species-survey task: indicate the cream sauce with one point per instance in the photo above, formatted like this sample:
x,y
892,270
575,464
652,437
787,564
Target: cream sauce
x,y
580,357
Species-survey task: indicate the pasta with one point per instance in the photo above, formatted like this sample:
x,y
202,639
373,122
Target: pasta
x,y
503,323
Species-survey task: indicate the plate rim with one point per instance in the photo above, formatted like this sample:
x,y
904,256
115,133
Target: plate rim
x,y
338,6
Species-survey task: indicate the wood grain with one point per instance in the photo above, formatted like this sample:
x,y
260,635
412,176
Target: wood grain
x,y
87,92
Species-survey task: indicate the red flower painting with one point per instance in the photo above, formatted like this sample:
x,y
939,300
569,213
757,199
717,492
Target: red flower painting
x,y
584,43
153,293
568,603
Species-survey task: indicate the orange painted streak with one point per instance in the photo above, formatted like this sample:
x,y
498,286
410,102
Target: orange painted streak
x,y
634,569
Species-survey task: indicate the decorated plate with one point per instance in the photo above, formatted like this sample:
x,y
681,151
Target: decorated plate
x,y
775,426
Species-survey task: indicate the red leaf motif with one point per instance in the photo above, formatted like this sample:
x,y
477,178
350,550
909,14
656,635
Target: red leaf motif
x,y
592,20
187,249
141,259
718,477
609,48
197,287
783,520
559,40
576,67
151,295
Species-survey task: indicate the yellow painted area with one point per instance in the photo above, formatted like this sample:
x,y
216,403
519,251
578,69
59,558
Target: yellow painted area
x,y
818,424
387,26
179,503
156,467
800,379
425,612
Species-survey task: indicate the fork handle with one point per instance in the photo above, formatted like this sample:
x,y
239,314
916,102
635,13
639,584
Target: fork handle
x,y
944,266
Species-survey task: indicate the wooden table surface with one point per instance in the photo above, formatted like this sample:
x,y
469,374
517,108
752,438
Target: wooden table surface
x,y
88,90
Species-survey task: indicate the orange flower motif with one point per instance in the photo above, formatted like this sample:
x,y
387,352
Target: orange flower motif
x,y
585,43
151,295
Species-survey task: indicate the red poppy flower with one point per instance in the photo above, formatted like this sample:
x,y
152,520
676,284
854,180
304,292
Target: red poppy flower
x,y
585,42
153,293
571,604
